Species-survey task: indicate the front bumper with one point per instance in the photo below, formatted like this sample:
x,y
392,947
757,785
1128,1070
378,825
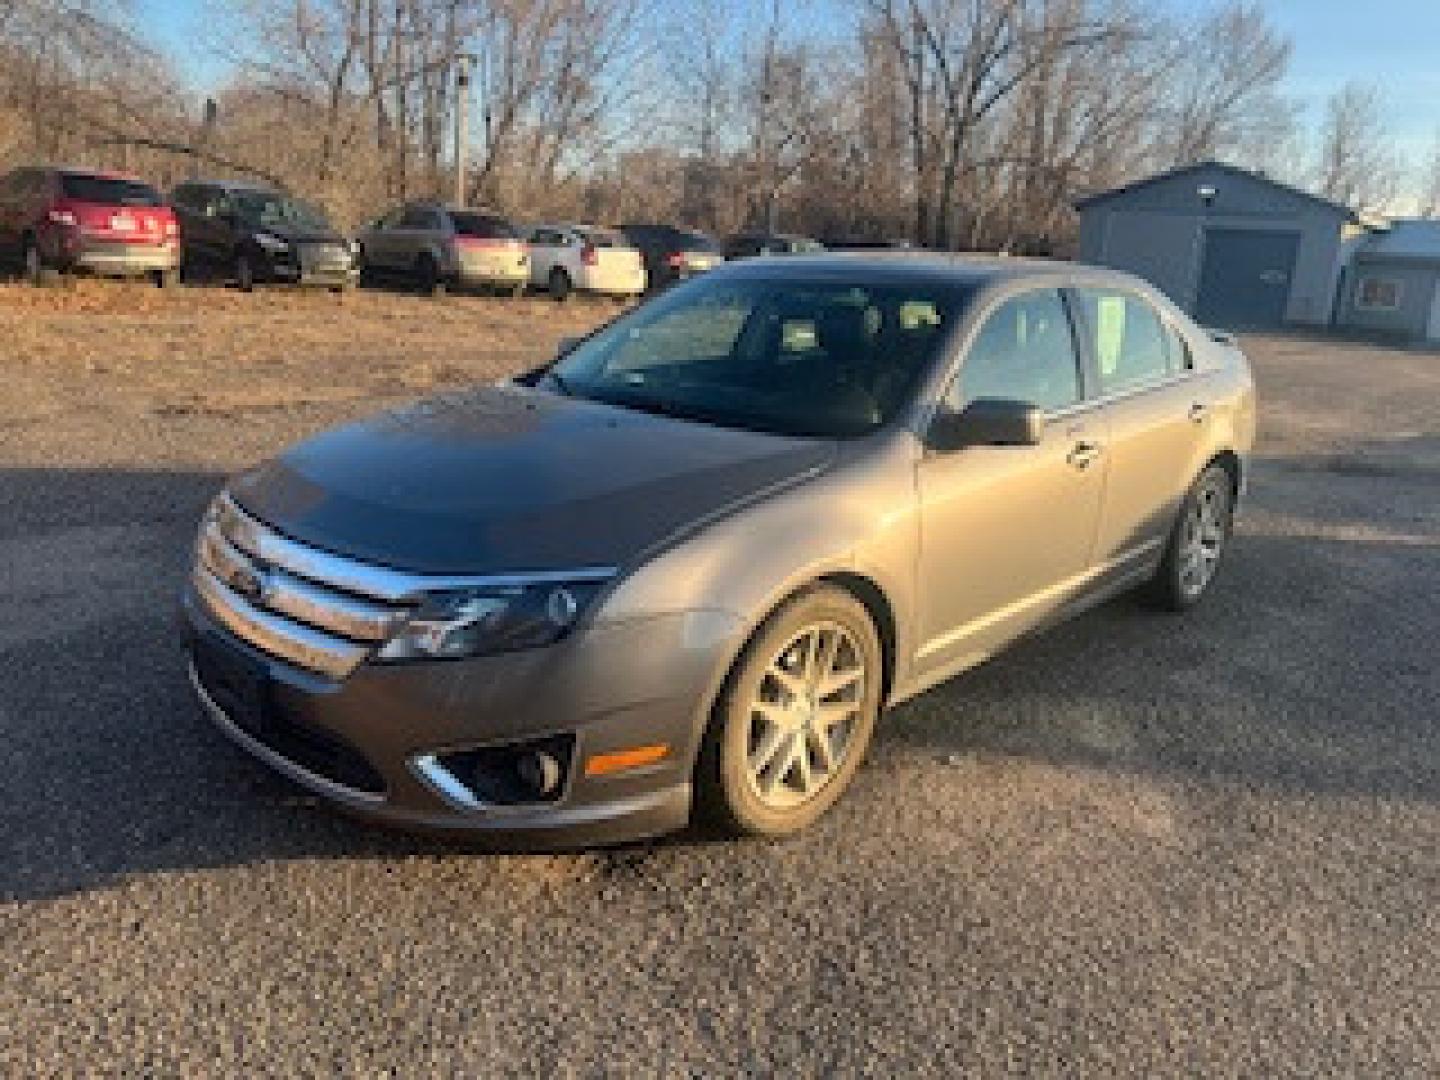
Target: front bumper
x,y
611,687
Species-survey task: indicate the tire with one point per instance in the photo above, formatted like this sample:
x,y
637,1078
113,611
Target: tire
x,y
244,273
365,275
559,286
762,768
517,291
427,274
165,279
1197,543
34,267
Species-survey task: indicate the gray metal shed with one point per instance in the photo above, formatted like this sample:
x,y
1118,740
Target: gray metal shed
x,y
1231,247
1393,282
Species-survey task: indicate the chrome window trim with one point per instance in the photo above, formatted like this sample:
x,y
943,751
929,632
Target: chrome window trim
x,y
369,579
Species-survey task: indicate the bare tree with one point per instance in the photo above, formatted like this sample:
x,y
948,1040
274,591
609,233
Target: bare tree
x,y
1430,182
1221,82
1358,165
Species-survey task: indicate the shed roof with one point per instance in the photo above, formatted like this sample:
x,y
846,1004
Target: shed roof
x,y
1212,166
1415,239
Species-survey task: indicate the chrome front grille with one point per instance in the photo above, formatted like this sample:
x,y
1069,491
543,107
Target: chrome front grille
x,y
313,609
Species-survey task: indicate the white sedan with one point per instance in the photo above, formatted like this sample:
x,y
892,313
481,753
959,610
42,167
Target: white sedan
x,y
569,258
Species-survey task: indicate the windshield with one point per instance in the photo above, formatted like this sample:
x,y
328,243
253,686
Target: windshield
x,y
783,356
268,208
108,190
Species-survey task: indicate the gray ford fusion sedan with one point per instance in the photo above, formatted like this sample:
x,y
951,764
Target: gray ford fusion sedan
x,y
679,572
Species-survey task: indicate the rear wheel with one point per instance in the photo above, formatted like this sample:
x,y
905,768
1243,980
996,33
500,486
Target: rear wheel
x,y
559,285
795,718
517,291
244,273
165,279
1197,541
37,271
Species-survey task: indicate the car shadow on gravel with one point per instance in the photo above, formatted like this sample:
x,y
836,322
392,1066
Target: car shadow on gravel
x,y
1309,669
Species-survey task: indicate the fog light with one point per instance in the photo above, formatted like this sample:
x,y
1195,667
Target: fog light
x,y
539,771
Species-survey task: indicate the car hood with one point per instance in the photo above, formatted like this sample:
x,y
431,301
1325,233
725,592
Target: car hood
x,y
507,478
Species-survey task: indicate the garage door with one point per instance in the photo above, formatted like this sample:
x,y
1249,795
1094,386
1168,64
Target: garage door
x,y
1245,278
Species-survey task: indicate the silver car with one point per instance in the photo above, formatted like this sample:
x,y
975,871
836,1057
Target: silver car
x,y
679,573
436,247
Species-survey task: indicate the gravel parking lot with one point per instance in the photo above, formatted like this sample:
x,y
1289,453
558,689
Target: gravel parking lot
x,y
1137,844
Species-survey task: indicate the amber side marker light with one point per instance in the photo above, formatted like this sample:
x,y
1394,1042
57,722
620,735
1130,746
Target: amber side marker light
x,y
620,760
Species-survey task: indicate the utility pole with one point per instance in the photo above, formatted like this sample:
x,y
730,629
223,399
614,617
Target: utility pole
x,y
462,123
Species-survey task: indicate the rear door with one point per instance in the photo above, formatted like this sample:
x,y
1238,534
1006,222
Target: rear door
x,y
380,242
1155,406
1008,532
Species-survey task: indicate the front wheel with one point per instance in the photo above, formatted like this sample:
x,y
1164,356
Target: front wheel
x,y
559,286
244,273
1197,541
794,720
431,281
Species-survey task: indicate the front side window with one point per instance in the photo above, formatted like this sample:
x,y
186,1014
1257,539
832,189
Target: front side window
x,y
1131,343
1025,351
1378,294
789,357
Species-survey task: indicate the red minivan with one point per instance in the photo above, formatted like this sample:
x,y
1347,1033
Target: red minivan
x,y
56,220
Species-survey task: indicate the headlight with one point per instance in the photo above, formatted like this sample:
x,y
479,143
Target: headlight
x,y
481,622
272,244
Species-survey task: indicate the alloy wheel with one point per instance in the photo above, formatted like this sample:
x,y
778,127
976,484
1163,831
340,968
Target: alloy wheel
x,y
1203,534
804,715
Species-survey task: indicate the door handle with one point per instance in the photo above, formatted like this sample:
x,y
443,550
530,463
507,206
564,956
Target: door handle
x,y
1083,453
1198,412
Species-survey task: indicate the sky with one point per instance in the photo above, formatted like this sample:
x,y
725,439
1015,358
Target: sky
x,y
1392,43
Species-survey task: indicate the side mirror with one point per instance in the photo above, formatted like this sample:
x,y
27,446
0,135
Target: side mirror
x,y
988,422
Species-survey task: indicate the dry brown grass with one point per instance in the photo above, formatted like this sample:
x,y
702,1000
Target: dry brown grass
x,y
128,347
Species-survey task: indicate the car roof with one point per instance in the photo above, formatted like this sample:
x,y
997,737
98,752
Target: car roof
x,y
81,170
235,185
928,267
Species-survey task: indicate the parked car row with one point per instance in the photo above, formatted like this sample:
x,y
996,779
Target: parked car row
x,y
65,220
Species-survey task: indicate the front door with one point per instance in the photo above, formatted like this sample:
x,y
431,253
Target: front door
x,y
1008,531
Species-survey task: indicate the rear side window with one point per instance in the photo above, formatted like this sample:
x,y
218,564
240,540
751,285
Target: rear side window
x,y
109,190
689,241
1024,352
483,226
602,238
1131,342
418,217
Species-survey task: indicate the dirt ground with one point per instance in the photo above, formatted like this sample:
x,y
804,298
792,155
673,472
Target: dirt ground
x,y
1134,845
